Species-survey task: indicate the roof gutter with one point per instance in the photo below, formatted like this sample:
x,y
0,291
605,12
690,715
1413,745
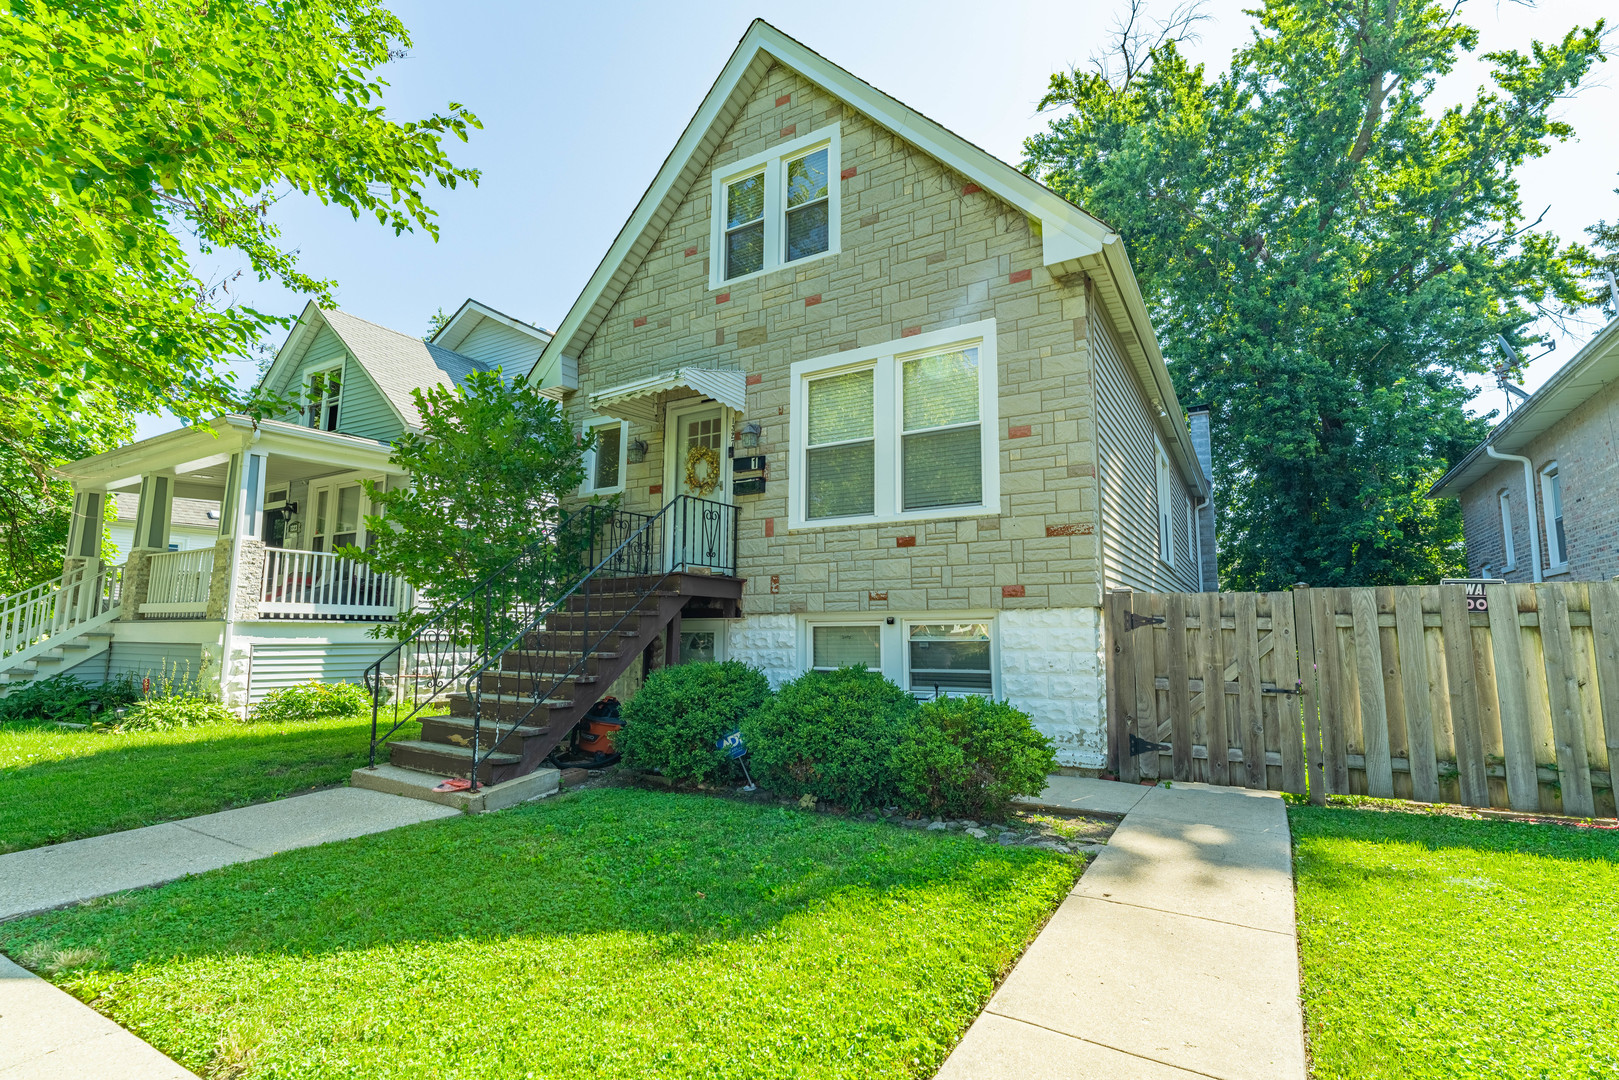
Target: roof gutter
x,y
1529,498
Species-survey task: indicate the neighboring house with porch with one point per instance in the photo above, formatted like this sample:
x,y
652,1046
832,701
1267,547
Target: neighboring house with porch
x,y
259,600
865,394
1540,496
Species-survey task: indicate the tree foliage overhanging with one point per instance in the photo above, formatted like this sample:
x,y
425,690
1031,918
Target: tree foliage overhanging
x,y
1326,257
130,130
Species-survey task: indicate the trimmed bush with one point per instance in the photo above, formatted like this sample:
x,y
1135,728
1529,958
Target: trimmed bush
x,y
830,734
968,757
674,720
313,701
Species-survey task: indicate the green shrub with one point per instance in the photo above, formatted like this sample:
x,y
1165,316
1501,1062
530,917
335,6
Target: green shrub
x,y
967,757
313,701
674,720
830,734
175,711
67,699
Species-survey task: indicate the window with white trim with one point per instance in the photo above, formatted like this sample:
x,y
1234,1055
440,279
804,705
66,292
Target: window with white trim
x,y
1551,505
885,435
776,208
949,657
323,391
837,645
1508,549
604,461
1166,495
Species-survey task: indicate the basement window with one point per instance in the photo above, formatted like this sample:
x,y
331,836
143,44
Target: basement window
x,y
776,208
945,658
835,646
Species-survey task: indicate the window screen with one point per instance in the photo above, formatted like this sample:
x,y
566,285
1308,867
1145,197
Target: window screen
x,y
949,657
745,225
840,465
807,205
845,646
941,447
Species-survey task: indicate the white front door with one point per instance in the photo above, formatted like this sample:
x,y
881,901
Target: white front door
x,y
697,462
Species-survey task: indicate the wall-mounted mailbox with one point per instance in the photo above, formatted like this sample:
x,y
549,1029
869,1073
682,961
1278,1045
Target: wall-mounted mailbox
x,y
754,485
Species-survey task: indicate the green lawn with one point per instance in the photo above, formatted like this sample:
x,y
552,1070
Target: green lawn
x,y
612,932
58,784
1437,946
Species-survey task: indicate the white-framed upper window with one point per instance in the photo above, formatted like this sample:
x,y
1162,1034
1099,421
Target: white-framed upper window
x,y
900,431
836,645
943,658
323,392
1508,550
1551,505
1166,497
776,209
604,462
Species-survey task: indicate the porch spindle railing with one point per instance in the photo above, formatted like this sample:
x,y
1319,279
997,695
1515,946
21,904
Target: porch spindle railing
x,y
322,584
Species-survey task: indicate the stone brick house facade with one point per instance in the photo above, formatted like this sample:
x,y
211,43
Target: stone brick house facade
x,y
1550,511
966,427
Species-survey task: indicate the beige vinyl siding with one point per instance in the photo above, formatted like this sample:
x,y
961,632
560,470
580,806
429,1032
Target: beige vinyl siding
x,y
513,351
1128,474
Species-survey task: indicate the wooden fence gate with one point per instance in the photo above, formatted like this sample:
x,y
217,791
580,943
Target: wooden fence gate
x,y
1510,699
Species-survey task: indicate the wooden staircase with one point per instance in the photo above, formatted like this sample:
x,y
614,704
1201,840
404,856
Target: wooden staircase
x,y
525,704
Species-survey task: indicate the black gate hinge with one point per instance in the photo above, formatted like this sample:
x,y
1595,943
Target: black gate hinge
x,y
1132,620
1139,746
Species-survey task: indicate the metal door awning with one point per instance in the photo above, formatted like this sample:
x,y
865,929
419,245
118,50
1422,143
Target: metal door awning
x,y
638,400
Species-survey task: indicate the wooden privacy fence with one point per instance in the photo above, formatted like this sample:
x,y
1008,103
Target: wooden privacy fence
x,y
1392,692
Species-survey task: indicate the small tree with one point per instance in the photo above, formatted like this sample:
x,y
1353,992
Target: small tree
x,y
488,471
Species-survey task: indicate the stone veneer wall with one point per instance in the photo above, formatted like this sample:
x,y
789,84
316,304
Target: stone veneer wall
x,y
767,642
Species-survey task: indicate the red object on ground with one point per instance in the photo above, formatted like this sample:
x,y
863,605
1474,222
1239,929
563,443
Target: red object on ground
x,y
455,783
598,736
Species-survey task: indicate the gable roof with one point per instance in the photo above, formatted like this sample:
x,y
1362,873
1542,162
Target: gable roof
x,y
1072,240
397,363
471,313
1587,372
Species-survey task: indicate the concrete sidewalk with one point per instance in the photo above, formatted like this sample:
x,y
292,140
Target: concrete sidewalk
x,y
1174,957
50,877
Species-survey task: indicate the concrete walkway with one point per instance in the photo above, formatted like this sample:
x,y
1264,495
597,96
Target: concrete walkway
x,y
50,877
1174,957
46,1033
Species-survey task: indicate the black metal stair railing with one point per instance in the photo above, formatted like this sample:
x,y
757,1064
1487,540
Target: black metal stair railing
x,y
467,638
638,553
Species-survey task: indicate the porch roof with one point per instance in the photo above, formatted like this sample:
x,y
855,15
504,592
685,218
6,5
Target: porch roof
x,y
637,400
198,456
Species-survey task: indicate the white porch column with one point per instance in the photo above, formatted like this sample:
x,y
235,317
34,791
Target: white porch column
x,y
241,518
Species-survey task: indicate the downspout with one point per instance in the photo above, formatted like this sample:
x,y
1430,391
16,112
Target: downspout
x,y
1529,501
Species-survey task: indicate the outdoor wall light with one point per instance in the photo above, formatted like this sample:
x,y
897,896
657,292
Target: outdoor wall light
x,y
749,435
636,451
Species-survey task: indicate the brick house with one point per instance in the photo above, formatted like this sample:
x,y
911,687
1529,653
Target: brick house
x,y
927,383
1540,496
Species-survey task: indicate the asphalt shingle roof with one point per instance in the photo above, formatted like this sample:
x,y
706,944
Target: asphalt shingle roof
x,y
399,363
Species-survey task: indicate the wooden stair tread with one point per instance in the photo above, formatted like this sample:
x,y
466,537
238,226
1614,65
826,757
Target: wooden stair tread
x,y
523,731
452,750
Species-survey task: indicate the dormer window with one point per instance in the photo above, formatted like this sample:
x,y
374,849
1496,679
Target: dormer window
x,y
322,392
776,208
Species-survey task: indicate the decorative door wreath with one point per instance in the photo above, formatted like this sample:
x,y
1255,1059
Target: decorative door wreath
x,y
708,459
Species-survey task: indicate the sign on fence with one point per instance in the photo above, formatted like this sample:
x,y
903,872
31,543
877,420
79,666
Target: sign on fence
x,y
1477,600
1475,692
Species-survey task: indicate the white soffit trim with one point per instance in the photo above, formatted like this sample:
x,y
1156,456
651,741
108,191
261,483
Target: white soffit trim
x,y
638,400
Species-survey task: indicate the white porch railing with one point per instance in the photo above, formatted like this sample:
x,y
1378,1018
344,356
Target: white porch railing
x,y
178,582
318,584
56,606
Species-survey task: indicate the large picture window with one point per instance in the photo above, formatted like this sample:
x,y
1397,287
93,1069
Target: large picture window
x,y
882,434
776,208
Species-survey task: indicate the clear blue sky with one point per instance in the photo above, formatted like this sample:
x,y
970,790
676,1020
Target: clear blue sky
x,y
580,103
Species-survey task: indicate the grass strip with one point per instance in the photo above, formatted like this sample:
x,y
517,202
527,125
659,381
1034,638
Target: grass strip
x,y
1440,947
607,933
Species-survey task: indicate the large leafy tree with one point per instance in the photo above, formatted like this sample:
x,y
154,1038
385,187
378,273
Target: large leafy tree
x,y
131,130
1326,256
488,471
